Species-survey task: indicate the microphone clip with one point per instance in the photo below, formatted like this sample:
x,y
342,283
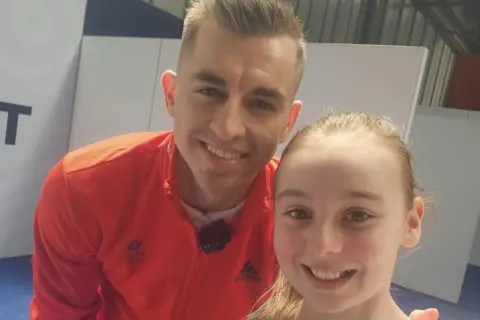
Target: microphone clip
x,y
214,237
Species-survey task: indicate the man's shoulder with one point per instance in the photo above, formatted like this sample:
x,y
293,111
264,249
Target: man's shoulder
x,y
118,150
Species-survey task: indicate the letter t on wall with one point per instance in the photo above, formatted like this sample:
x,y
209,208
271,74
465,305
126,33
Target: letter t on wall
x,y
13,113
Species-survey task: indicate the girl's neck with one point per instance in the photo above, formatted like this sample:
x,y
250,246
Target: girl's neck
x,y
379,307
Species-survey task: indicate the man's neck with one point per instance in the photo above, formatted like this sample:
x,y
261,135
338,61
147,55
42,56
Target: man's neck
x,y
379,307
210,196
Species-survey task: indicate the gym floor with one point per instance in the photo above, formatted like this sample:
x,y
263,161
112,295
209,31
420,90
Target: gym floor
x,y
16,292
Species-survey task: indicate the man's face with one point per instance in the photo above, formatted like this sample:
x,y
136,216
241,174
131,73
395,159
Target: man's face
x,y
232,102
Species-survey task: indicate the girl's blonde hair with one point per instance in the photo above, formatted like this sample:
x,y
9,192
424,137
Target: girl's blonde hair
x,y
284,301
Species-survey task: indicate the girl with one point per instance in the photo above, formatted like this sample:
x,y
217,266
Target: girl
x,y
345,202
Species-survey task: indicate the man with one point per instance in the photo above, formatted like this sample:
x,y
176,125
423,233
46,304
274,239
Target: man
x,y
178,225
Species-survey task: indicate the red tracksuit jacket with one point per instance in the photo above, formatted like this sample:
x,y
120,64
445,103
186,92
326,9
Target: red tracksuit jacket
x,y
113,242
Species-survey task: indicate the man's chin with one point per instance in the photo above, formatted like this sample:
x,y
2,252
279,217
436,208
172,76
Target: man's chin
x,y
219,178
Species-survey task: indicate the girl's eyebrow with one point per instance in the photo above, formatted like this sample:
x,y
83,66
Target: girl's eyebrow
x,y
292,193
363,194
356,194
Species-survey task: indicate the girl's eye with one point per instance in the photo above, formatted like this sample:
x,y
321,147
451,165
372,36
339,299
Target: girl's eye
x,y
297,214
358,216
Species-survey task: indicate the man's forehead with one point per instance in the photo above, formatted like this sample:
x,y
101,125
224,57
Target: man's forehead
x,y
218,54
213,53
212,35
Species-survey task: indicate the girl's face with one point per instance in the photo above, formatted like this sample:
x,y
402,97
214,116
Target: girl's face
x,y
341,215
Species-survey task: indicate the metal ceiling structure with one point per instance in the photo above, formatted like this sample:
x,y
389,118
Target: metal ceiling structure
x,y
457,20
384,22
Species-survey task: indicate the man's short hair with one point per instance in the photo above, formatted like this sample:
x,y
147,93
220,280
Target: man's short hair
x,y
246,18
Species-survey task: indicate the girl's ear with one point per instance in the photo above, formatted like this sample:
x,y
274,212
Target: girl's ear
x,y
413,224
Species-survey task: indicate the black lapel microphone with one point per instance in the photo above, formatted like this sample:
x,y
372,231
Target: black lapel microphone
x,y
214,237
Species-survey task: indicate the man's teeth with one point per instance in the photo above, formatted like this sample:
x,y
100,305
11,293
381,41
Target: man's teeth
x,y
228,155
328,275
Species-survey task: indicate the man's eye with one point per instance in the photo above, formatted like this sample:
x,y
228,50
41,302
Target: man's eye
x,y
297,214
358,216
209,92
261,104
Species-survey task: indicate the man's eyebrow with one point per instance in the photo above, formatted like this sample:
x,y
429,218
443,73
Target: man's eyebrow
x,y
212,78
206,76
269,93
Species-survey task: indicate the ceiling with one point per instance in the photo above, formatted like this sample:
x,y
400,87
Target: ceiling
x,y
458,21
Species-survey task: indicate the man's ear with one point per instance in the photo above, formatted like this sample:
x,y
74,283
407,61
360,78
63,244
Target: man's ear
x,y
168,83
413,225
292,118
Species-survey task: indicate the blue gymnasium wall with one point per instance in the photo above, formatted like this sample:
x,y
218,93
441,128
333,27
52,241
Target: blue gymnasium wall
x,y
129,18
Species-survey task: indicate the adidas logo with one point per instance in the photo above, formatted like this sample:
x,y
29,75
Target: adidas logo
x,y
248,272
134,253
134,245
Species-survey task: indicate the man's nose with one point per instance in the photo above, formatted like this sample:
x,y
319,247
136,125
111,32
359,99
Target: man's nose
x,y
229,121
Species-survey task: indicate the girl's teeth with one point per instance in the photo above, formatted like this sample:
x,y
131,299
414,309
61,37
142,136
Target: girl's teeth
x,y
327,275
331,276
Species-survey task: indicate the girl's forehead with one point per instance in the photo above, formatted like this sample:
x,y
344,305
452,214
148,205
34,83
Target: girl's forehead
x,y
340,155
340,167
